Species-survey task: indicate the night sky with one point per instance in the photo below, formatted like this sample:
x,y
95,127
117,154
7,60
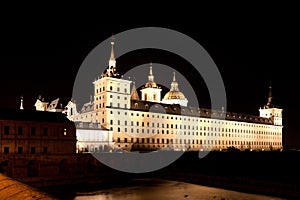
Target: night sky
x,y
42,50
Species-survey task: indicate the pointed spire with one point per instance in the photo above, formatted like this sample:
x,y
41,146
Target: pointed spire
x,y
112,54
269,103
270,96
174,77
134,94
174,84
21,104
112,60
150,77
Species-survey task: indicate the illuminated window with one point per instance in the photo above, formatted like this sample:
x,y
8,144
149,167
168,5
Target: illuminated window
x,y
65,131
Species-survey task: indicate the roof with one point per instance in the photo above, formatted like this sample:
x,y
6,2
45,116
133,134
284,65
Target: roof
x,y
33,115
174,95
176,109
87,107
56,104
89,125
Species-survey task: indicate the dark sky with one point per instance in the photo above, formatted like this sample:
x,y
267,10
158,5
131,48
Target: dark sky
x,y
42,49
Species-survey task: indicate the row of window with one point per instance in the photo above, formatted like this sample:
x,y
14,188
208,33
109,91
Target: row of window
x,y
20,150
118,105
187,141
195,119
98,90
200,134
111,96
20,131
188,127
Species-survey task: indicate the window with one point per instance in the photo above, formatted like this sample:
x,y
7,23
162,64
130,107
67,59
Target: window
x,y
45,150
6,130
65,131
110,88
20,150
32,150
6,150
20,130
32,131
45,131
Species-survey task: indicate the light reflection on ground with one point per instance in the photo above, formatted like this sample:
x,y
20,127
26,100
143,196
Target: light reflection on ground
x,y
162,189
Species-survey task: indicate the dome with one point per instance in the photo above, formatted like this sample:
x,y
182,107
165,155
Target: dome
x,y
174,92
150,84
174,95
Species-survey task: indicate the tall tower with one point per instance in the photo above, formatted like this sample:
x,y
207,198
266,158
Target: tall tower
x,y
110,92
271,111
151,92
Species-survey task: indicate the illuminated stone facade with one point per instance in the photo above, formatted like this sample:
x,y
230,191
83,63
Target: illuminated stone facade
x,y
153,123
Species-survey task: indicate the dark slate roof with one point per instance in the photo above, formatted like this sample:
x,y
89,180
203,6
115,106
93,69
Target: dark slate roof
x,y
176,109
89,125
87,107
33,115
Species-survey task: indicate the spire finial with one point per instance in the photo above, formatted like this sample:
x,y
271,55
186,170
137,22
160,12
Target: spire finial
x,y
150,77
21,104
111,71
174,77
112,54
269,97
150,69
270,91
174,84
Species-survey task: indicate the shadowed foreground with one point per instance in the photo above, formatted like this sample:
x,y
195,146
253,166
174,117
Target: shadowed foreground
x,y
12,189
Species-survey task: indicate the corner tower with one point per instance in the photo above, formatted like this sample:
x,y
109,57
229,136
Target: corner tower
x,y
110,92
271,111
